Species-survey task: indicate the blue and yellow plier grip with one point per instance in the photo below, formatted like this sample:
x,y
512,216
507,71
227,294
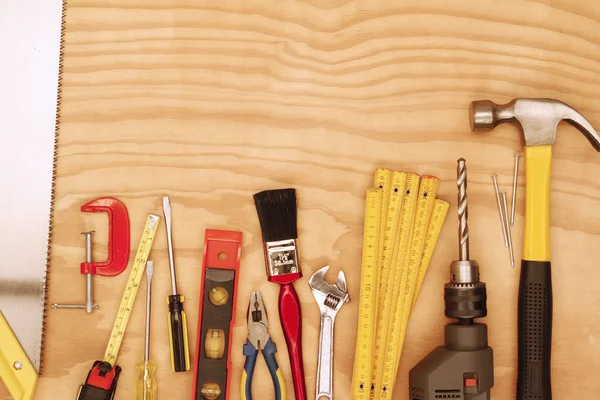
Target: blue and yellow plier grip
x,y
268,352
258,338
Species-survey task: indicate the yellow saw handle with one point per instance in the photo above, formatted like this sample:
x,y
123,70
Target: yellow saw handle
x,y
16,371
538,164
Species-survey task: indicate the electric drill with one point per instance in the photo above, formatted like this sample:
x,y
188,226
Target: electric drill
x,y
463,368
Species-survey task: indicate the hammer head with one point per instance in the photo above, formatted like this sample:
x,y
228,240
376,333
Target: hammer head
x,y
538,119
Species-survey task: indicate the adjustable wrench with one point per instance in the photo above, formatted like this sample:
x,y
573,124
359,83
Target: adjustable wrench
x,y
330,299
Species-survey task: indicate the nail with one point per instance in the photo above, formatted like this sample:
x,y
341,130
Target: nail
x,y
506,223
500,210
514,192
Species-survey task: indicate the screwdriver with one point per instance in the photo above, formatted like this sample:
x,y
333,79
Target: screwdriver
x,y
146,383
180,356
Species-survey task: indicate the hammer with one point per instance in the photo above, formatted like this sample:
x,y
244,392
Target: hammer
x,y
538,119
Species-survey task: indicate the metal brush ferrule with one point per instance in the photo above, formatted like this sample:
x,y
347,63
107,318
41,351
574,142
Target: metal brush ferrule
x,y
281,257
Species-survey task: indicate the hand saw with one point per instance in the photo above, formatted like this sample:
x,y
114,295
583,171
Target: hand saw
x,y
30,43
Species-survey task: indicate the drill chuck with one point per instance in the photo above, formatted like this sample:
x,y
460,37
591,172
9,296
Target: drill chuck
x,y
465,296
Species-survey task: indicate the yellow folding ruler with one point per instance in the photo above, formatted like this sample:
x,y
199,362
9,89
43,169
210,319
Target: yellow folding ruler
x,y
410,222
403,221
361,376
394,206
425,201
382,181
102,378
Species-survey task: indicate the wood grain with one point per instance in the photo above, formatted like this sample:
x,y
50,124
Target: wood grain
x,y
211,101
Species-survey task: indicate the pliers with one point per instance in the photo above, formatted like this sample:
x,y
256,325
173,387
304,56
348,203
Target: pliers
x,y
259,339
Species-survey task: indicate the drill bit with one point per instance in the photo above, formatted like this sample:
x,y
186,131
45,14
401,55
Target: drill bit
x,y
463,209
464,270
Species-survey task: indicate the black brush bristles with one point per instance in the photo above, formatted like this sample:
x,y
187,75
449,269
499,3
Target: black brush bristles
x,y
277,214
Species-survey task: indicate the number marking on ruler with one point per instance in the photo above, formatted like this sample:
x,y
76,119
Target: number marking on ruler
x,y
400,199
133,283
368,295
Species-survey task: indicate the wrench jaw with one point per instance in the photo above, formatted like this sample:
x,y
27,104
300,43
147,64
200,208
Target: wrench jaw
x,y
341,284
330,297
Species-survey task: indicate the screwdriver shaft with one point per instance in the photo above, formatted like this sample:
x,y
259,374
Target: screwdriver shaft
x,y
167,212
149,273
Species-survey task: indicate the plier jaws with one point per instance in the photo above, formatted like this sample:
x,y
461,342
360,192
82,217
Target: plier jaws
x,y
259,339
258,325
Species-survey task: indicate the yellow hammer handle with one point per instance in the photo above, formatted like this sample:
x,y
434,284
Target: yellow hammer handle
x,y
20,382
538,165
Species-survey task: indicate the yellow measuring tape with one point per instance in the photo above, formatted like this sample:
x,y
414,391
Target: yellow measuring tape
x,y
133,284
361,376
413,220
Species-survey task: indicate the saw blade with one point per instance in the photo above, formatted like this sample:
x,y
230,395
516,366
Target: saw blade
x,y
31,35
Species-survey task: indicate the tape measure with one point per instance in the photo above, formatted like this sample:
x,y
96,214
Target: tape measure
x,y
133,284
406,208
410,270
361,376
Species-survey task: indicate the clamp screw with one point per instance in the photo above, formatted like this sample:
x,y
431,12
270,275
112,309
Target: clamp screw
x,y
18,365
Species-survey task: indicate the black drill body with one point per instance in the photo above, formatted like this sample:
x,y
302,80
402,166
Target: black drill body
x,y
463,368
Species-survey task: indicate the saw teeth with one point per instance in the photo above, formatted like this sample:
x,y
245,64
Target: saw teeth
x,y
53,186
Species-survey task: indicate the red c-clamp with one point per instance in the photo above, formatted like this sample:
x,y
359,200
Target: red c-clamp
x,y
118,248
118,237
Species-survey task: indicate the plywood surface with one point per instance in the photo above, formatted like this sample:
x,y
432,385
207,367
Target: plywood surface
x,y
211,101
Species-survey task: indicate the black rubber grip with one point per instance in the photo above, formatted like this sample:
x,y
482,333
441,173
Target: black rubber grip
x,y
535,331
179,347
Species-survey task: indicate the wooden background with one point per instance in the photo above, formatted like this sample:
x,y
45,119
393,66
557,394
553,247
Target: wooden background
x,y
211,101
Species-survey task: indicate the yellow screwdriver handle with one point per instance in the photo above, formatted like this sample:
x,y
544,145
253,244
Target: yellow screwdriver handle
x,y
16,371
145,388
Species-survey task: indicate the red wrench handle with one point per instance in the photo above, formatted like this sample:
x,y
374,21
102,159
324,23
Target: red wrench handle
x,y
291,322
